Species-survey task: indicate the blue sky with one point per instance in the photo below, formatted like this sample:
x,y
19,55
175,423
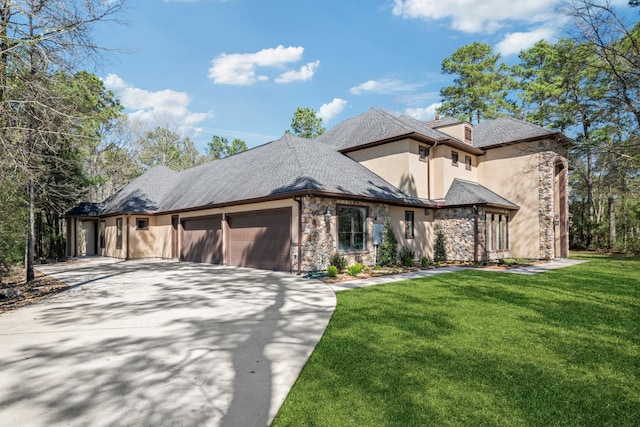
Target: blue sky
x,y
240,68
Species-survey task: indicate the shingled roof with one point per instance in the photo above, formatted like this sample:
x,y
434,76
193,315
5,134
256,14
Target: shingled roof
x,y
375,125
293,166
463,192
505,130
144,194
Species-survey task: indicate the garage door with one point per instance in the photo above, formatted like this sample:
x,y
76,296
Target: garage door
x,y
202,240
261,239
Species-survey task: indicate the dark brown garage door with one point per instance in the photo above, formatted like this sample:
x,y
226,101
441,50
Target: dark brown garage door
x,y
261,239
202,240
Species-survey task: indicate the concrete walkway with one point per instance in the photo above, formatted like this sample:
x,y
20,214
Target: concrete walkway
x,y
532,269
159,343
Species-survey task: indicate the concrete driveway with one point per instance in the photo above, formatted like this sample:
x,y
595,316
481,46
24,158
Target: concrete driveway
x,y
159,343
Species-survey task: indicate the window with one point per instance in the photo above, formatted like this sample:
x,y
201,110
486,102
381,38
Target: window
x,y
142,223
467,134
118,233
102,231
352,228
497,232
424,153
408,224
467,163
454,158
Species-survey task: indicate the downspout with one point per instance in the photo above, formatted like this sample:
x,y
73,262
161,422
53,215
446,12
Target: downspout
x,y
475,234
299,234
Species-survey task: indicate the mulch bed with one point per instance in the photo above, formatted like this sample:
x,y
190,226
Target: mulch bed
x,y
385,271
15,292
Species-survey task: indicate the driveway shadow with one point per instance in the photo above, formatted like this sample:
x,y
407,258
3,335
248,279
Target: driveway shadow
x,y
159,343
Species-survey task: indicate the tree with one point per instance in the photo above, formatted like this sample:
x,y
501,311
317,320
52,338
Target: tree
x,y
41,44
162,146
481,87
306,124
387,252
220,147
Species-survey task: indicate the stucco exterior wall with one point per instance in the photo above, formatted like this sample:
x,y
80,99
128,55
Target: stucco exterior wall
x,y
443,172
523,174
399,164
457,130
422,242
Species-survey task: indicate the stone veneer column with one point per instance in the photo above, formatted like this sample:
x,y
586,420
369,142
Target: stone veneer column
x,y
546,204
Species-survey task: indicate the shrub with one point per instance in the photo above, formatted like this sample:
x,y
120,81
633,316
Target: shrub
x,y
386,254
424,262
439,248
406,256
355,269
332,271
338,261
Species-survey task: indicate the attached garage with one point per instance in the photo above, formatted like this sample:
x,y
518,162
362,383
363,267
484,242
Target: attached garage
x,y
260,239
202,240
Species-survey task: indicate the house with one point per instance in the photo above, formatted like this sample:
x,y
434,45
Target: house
x,y
496,189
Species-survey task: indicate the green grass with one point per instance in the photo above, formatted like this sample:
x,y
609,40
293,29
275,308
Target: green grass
x,y
476,348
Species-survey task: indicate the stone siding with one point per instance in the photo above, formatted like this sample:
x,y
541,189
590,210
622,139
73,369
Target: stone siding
x,y
320,234
457,224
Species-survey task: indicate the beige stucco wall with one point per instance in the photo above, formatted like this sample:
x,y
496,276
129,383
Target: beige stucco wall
x,y
457,130
110,237
86,241
443,172
513,173
398,163
422,243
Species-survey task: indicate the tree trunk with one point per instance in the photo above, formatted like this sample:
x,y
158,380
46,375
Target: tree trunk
x,y
30,236
612,223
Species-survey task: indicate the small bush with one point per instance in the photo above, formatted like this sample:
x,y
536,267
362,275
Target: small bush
x,y
338,261
406,256
355,269
387,255
332,271
424,262
439,248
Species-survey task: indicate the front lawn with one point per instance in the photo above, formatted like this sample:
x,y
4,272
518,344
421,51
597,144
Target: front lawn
x,y
480,348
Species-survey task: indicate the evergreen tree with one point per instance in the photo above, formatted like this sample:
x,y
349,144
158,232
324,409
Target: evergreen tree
x,y
387,254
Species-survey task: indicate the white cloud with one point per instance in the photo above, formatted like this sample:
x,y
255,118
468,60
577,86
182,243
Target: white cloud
x,y
474,16
240,68
162,105
331,109
305,73
386,86
424,114
513,43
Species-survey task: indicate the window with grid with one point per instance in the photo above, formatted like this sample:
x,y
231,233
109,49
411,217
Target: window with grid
x,y
352,228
